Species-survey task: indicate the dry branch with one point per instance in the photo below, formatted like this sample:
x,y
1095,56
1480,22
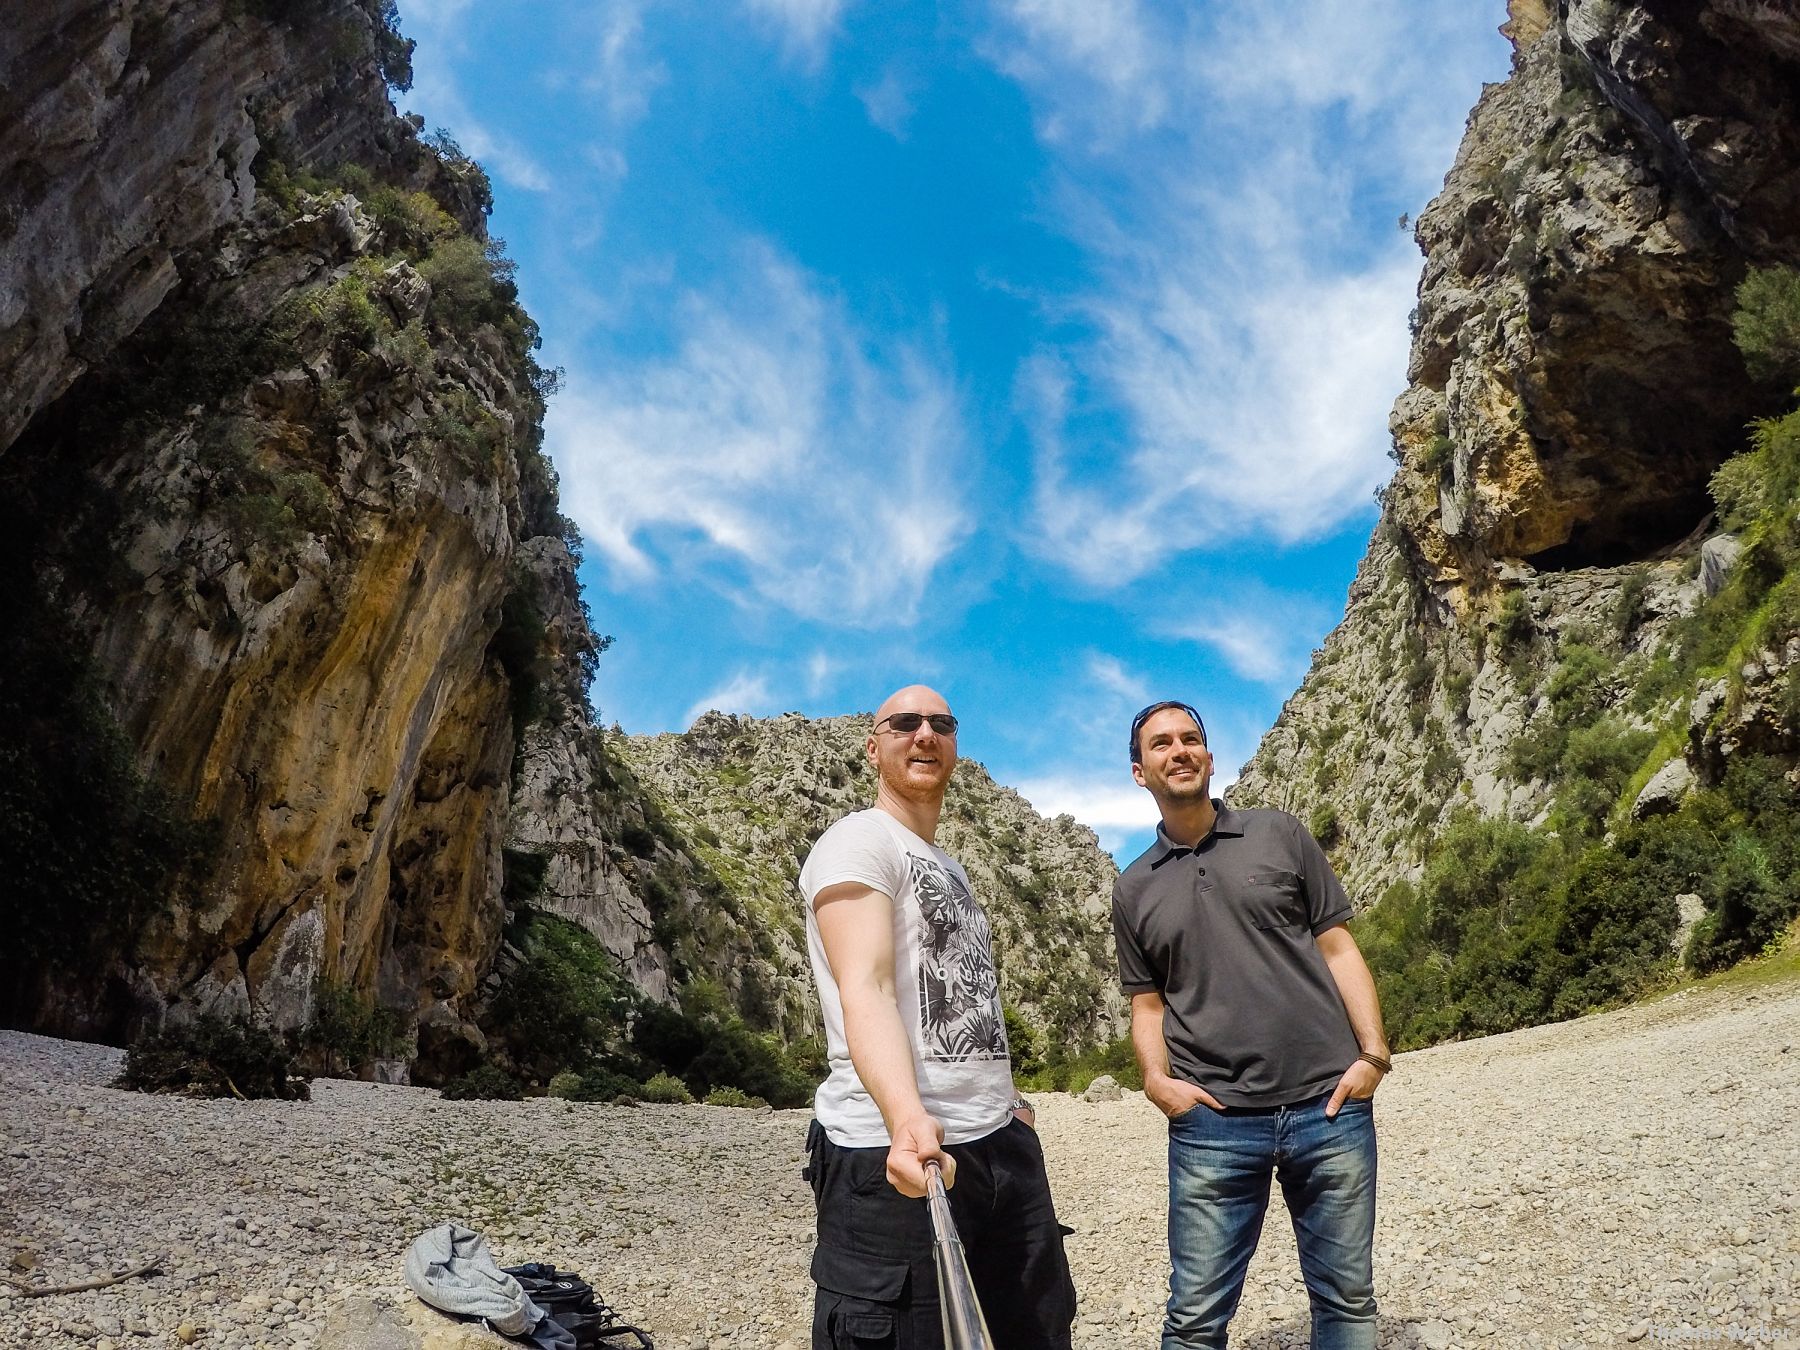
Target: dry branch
x,y
29,1291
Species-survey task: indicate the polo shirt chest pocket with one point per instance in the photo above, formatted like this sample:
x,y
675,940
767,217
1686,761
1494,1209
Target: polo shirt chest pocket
x,y
1274,899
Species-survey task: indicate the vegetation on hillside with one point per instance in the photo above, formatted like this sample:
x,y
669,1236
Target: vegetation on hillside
x,y
568,1020
1511,925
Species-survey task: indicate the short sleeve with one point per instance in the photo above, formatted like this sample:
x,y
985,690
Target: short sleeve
x,y
859,848
1135,975
1326,903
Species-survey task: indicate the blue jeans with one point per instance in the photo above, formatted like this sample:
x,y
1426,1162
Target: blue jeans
x,y
1219,1169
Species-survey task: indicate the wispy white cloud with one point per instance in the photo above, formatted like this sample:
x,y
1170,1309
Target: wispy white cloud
x,y
1270,422
623,75
1103,45
805,27
1111,675
1263,636
778,443
821,671
889,103
1115,810
1242,337
606,59
744,692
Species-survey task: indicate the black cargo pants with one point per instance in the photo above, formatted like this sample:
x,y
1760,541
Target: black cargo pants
x,y
877,1283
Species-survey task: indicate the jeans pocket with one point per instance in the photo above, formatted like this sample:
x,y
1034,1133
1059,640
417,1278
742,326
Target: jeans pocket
x,y
1198,1111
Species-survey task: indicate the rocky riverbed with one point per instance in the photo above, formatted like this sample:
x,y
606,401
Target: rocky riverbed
x,y
1631,1177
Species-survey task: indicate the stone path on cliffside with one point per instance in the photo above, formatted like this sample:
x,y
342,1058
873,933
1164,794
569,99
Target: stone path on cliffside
x,y
1622,1177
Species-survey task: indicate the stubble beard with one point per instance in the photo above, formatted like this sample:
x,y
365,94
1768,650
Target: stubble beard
x,y
1198,788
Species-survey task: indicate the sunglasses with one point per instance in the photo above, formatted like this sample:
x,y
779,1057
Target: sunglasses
x,y
905,723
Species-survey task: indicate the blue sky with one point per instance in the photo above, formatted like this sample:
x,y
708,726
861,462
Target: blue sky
x,y
1041,350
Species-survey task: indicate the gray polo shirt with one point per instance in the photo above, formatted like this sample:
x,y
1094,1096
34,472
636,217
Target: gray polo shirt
x,y
1224,932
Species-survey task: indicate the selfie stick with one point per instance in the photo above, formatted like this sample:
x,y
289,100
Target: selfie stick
x,y
964,1326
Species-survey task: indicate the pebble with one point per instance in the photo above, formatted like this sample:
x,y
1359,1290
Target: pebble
x,y
1552,1188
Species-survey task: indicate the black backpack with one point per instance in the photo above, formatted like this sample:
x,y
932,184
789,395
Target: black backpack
x,y
569,1301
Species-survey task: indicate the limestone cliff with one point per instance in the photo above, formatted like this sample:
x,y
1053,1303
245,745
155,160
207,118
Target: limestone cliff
x,y
276,524
1573,388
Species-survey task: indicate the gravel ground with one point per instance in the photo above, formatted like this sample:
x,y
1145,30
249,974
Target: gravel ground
x,y
1630,1177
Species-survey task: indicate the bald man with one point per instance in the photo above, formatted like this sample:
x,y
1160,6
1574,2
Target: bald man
x,y
919,1072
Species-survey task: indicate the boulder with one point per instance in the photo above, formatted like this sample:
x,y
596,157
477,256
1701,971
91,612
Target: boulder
x,y
1105,1088
1663,794
1718,556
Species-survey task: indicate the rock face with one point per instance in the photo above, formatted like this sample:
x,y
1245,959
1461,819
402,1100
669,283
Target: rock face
x,y
1574,385
131,127
271,441
750,796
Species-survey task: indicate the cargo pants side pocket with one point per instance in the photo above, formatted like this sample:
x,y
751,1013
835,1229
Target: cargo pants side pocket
x,y
861,1303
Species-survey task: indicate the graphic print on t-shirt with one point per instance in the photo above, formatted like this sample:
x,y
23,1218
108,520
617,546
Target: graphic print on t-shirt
x,y
959,993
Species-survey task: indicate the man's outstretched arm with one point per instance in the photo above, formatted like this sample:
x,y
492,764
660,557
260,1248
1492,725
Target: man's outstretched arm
x,y
1356,987
856,926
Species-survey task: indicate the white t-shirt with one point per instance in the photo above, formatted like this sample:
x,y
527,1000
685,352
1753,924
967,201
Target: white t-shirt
x,y
944,977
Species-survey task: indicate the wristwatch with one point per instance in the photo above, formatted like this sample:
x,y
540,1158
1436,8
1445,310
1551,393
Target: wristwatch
x,y
1021,1104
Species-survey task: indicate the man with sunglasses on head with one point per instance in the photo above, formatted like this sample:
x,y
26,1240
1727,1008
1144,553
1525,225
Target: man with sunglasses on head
x,y
1255,1021
919,1072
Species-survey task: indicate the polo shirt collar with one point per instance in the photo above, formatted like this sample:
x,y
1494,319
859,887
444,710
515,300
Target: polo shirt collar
x,y
1225,821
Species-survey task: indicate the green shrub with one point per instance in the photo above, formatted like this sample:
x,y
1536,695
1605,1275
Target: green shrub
x,y
1537,750
598,1084
463,291
484,1083
1581,685
410,222
1457,685
730,1096
1747,908
667,1090
666,1036
1738,488
1628,606
720,1051
1612,933
1512,622
1596,763
347,1030
738,1057
1021,1042
213,1056
1064,1074
1323,822
1440,453
1750,874
566,1003
1461,953
1766,324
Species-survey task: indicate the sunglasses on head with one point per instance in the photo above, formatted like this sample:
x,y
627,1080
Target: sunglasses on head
x,y
1137,723
905,723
